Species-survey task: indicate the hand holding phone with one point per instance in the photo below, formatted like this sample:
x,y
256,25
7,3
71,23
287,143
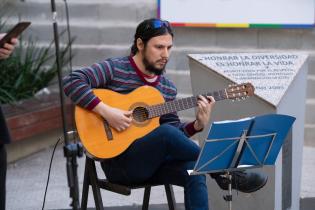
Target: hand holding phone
x,y
14,32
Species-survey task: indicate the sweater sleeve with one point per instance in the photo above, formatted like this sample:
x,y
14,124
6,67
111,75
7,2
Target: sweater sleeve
x,y
78,84
173,119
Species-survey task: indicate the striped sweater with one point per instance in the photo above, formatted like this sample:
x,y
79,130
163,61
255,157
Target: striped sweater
x,y
123,76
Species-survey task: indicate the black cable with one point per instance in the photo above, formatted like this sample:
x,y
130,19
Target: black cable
x,y
51,159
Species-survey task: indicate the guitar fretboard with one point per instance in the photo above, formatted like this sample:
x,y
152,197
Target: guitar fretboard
x,y
182,104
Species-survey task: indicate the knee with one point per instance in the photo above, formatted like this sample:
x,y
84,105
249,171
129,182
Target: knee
x,y
169,131
169,135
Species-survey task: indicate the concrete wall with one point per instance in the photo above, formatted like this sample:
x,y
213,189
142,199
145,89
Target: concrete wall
x,y
105,28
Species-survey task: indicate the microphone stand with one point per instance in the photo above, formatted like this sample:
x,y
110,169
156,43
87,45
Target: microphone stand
x,y
71,150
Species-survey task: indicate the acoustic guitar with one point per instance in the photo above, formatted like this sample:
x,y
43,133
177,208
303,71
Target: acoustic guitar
x,y
147,105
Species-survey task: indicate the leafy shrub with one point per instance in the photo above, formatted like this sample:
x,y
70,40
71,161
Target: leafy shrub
x,y
29,69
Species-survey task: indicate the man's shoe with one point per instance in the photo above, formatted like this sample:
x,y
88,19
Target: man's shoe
x,y
242,181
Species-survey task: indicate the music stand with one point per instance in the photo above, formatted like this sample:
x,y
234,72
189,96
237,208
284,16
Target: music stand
x,y
242,144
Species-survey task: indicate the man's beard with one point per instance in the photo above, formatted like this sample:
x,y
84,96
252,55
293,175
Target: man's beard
x,y
151,68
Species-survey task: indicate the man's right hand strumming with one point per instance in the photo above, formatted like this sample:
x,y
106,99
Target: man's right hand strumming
x,y
119,119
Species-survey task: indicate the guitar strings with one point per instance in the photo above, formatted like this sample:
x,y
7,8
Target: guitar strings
x,y
156,110
159,109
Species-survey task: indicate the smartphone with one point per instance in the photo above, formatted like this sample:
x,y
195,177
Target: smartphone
x,y
14,32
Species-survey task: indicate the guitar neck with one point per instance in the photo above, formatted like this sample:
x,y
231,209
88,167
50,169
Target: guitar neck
x,y
182,104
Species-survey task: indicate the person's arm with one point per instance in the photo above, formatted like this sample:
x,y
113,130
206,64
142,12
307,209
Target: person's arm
x,y
8,48
78,84
202,117
78,87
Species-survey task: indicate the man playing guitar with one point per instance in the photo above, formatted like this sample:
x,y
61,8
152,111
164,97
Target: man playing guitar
x,y
165,154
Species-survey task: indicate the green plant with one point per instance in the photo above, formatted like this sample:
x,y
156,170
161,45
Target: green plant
x,y
28,70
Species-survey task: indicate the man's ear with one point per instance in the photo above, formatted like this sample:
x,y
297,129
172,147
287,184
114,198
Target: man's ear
x,y
140,44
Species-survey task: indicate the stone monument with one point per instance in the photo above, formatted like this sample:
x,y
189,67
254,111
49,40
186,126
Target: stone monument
x,y
279,79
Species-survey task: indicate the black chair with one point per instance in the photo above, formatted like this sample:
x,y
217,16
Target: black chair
x,y
91,178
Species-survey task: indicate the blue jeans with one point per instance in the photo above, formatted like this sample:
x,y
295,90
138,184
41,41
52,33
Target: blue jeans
x,y
161,157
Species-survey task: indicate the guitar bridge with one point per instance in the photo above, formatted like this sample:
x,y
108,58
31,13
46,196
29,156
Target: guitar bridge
x,y
108,131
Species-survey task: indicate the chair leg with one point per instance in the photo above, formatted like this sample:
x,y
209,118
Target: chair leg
x,y
146,198
170,197
95,185
85,189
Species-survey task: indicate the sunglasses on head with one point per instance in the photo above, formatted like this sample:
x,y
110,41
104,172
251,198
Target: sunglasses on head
x,y
159,24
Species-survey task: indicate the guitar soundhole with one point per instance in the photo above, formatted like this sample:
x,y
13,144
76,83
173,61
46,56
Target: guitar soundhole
x,y
140,114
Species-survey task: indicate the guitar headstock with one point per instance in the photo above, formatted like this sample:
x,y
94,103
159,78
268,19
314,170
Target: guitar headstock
x,y
240,91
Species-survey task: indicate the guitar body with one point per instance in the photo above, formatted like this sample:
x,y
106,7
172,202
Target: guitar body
x,y
91,128
147,104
